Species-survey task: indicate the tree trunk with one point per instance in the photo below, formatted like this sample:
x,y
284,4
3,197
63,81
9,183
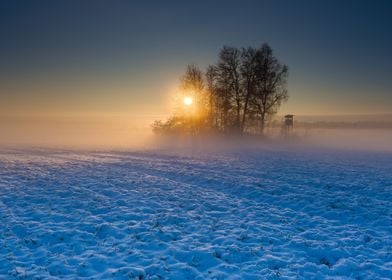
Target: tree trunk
x,y
238,120
245,113
262,123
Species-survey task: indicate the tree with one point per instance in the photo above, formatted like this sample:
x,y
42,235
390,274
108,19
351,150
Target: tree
x,y
237,94
270,84
228,68
212,95
248,72
192,83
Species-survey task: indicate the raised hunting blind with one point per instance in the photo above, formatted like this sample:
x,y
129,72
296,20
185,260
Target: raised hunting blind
x,y
288,125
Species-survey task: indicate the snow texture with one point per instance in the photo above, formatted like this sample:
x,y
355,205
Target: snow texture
x,y
271,214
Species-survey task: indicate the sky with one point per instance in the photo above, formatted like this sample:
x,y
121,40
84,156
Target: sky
x,y
69,58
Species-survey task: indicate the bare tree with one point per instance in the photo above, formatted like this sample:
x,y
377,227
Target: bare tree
x,y
239,93
212,96
248,72
229,80
271,80
193,82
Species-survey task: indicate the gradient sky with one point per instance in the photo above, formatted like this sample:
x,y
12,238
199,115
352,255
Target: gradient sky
x,y
125,57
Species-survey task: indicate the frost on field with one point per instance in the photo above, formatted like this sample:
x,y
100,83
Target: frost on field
x,y
154,214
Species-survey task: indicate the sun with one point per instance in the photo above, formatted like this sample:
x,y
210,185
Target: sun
x,y
188,100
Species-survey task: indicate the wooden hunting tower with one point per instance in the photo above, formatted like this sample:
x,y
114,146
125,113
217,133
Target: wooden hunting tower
x,y
288,125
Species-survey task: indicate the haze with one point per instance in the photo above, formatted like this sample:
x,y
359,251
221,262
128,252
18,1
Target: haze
x,y
95,74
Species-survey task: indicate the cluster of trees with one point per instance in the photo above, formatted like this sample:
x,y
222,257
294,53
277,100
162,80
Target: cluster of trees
x,y
239,94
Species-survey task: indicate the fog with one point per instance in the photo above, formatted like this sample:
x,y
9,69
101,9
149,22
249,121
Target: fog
x,y
352,139
310,139
75,132
129,132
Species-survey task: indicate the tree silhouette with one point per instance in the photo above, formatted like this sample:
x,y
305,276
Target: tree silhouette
x,y
248,72
237,94
270,91
192,84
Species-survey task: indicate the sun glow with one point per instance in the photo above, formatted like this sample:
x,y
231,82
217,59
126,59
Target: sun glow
x,y
188,100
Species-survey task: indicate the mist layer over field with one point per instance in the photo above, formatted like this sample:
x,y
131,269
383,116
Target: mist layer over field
x,y
77,132
124,132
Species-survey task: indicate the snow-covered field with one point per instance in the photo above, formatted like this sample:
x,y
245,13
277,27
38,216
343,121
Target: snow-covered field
x,y
266,214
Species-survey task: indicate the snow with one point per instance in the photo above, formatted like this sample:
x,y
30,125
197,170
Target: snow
x,y
265,214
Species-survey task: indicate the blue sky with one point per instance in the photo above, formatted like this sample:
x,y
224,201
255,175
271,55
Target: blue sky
x,y
126,56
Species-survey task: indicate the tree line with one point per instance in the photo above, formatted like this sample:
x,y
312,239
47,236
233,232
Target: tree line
x,y
236,95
